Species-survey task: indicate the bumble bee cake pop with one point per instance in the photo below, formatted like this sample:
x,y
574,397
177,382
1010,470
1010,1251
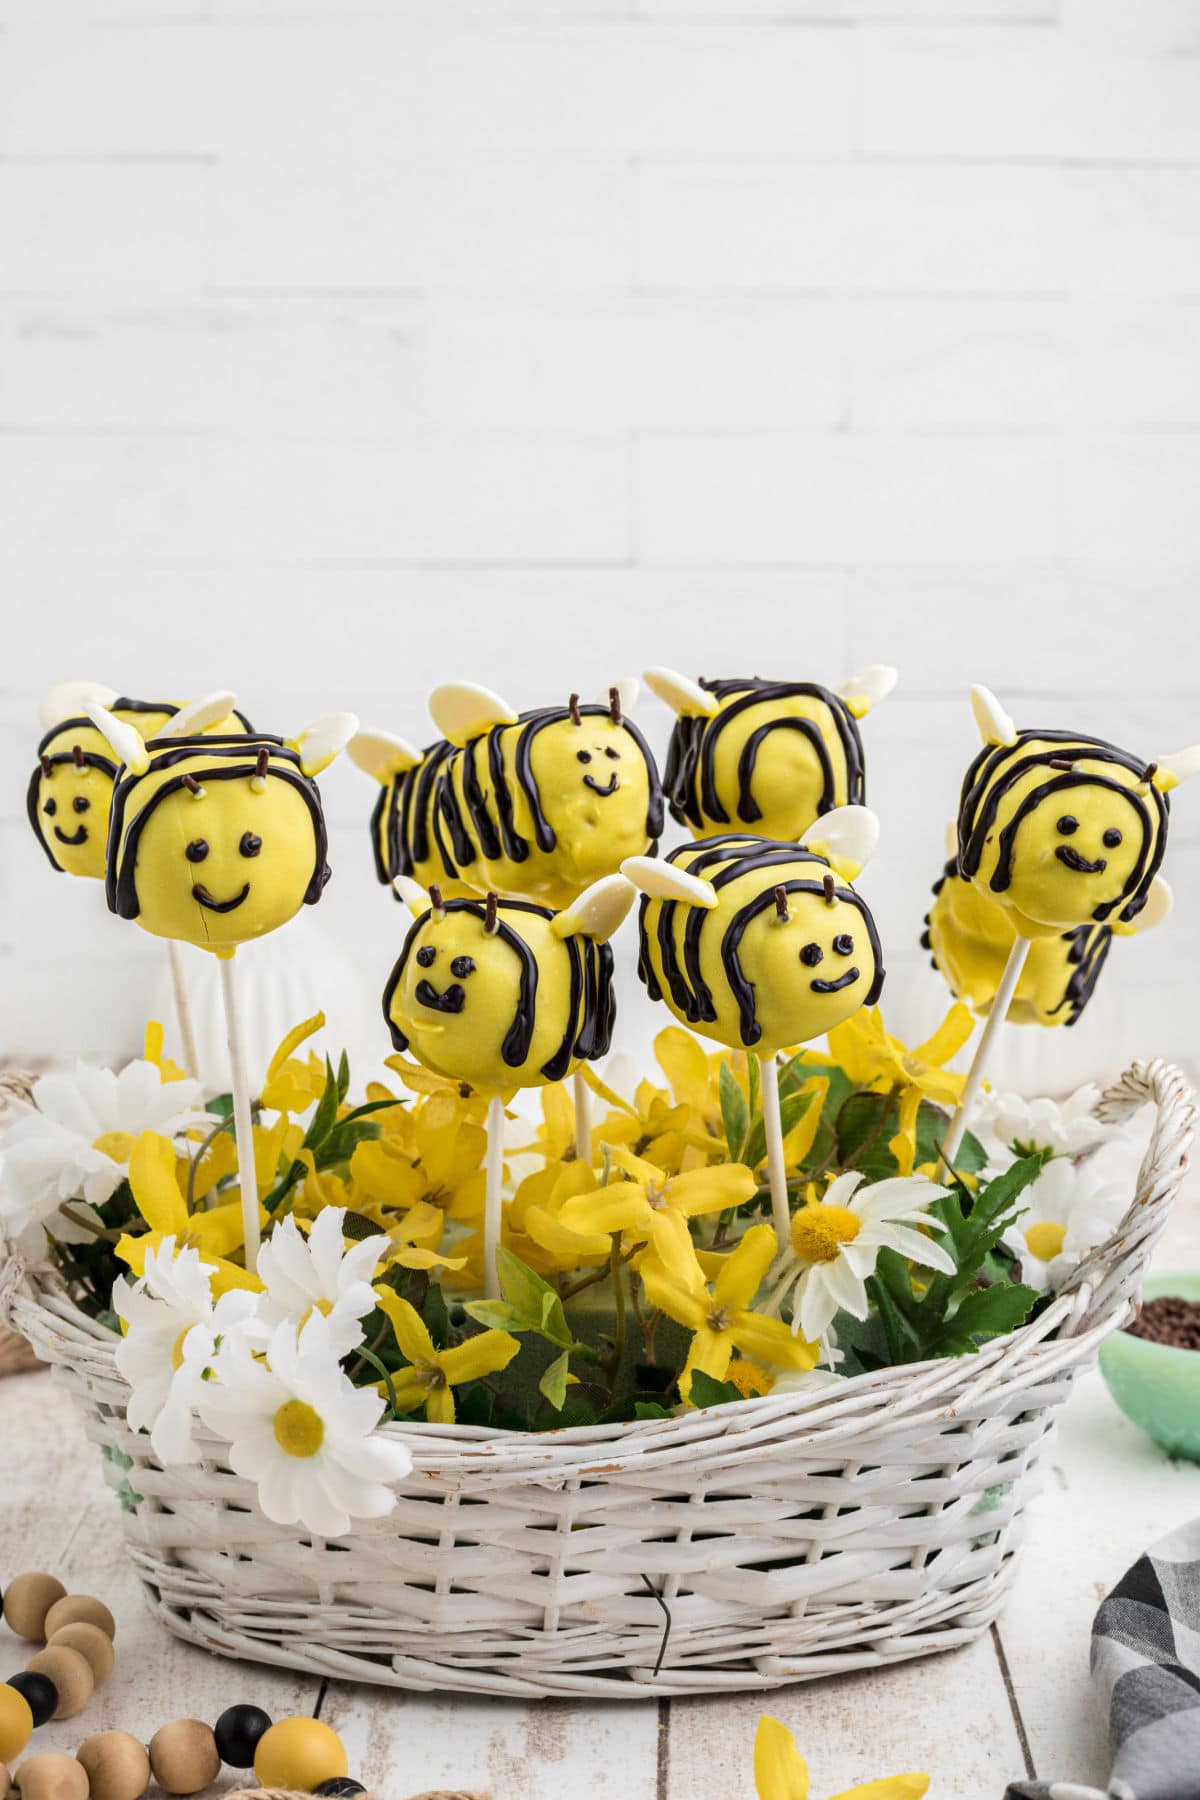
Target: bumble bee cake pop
x,y
505,994
70,792
761,945
407,832
771,755
542,804
1062,830
215,841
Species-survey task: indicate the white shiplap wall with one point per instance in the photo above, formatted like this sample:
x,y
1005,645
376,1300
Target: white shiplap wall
x,y
349,344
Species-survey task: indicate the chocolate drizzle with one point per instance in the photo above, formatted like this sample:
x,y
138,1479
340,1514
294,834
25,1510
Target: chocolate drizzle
x,y
729,858
490,811
999,767
690,776
591,1003
404,824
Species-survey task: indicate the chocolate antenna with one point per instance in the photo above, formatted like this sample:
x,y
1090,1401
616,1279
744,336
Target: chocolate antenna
x,y
47,765
489,916
77,753
830,886
614,705
573,709
781,905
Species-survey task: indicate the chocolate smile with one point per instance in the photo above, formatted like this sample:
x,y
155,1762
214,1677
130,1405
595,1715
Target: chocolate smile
x,y
1080,864
452,1001
833,987
70,837
610,788
222,906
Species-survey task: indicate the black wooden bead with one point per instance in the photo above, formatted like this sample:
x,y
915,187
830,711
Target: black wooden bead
x,y
237,1732
341,1786
39,1692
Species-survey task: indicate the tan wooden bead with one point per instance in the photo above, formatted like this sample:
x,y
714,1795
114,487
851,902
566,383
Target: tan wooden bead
x,y
94,1645
118,1767
80,1609
27,1600
184,1756
54,1777
71,1674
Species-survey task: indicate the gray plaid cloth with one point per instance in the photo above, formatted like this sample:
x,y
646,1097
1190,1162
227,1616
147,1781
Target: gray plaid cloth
x,y
1146,1664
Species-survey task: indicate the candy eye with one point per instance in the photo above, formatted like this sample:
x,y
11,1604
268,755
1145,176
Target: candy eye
x,y
811,955
80,803
1112,837
615,754
426,955
1067,824
843,943
251,843
584,755
50,808
463,965
197,850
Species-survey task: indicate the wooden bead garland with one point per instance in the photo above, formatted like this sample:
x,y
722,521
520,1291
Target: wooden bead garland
x,y
184,1757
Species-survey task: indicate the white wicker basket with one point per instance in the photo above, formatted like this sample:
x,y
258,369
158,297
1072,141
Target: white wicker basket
x,y
740,1547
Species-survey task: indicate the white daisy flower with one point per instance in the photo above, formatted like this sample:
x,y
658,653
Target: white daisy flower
x,y
171,1340
1010,1126
300,1430
75,1144
835,1244
1068,1212
318,1272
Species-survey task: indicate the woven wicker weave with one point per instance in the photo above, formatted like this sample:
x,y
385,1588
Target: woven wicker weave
x,y
782,1538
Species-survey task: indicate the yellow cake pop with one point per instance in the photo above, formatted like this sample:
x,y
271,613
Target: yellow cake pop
x,y
1063,829
771,755
217,840
407,831
542,804
759,944
70,792
969,938
504,994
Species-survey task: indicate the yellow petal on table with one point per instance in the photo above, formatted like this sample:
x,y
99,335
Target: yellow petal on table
x,y
780,1772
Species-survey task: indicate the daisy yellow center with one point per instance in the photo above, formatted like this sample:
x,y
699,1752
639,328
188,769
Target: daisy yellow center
x,y
1045,1239
818,1232
117,1144
749,1377
299,1430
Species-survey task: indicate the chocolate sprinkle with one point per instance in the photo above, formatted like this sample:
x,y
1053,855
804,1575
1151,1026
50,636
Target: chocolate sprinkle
x,y
1169,1320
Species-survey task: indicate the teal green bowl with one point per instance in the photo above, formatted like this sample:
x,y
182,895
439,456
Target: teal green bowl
x,y
1154,1385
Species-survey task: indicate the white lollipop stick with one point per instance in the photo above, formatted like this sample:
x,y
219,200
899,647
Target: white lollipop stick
x,y
583,1118
243,1118
492,1196
183,1008
991,1031
781,1216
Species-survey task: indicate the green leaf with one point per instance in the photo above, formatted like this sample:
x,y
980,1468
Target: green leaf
x,y
343,1076
497,1315
707,1392
357,1226
554,1381
984,1313
221,1104
534,1300
437,1319
933,1122
754,1073
324,1118
735,1115
865,1124
650,1409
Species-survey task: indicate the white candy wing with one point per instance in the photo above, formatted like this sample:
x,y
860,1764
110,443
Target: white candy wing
x,y
666,881
1179,766
126,743
462,711
71,699
847,837
381,755
598,911
198,715
683,695
995,725
413,895
868,688
324,739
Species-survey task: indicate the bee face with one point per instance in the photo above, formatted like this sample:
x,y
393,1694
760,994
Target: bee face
x,y
1074,852
70,807
591,776
810,971
488,1008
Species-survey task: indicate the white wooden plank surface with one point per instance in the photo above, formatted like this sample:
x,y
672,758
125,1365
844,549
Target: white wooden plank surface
x,y
977,1718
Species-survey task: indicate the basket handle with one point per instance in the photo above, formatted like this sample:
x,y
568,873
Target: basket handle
x,y
1106,1282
